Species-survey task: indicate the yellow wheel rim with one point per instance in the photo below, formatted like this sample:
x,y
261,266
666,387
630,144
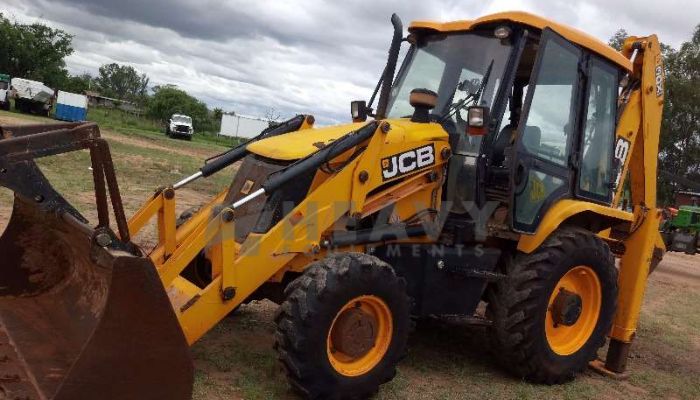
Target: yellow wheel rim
x,y
573,311
360,335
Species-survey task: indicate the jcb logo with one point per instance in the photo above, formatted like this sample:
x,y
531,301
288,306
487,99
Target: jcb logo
x,y
659,80
408,161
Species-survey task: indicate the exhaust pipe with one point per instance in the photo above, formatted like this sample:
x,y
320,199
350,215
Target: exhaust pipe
x,y
390,70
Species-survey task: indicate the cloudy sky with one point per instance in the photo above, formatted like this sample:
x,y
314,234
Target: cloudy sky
x,y
293,55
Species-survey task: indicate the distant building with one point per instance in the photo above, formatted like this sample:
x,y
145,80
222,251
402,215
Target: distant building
x,y
236,125
95,99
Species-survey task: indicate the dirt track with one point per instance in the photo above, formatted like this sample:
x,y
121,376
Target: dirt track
x,y
679,270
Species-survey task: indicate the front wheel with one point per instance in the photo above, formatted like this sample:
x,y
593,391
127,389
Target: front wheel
x,y
553,311
343,327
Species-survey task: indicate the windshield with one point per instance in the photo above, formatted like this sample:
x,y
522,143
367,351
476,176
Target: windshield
x,y
463,69
182,119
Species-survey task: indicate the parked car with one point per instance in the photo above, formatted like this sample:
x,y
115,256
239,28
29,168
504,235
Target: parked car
x,y
180,125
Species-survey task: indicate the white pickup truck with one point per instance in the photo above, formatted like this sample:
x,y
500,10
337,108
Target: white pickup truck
x,y
180,126
32,96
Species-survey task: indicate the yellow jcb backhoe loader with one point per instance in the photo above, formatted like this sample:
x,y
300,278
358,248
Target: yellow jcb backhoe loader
x,y
490,173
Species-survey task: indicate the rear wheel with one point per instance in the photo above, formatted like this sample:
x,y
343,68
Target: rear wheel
x,y
343,327
554,310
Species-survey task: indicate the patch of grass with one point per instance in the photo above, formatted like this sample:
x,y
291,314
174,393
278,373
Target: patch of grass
x,y
116,118
31,117
140,170
675,320
235,354
149,168
664,384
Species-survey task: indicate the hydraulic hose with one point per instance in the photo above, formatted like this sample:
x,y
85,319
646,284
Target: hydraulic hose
x,y
238,152
223,160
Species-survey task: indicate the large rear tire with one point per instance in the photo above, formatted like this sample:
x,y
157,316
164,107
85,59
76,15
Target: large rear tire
x,y
553,311
343,327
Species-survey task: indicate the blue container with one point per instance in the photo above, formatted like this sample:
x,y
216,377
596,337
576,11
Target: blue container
x,y
69,113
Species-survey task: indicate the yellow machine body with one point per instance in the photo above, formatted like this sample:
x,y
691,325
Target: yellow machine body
x,y
295,242
346,193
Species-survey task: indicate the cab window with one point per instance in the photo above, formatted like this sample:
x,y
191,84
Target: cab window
x,y
551,114
598,131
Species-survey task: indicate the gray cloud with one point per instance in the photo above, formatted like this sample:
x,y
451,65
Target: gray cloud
x,y
295,56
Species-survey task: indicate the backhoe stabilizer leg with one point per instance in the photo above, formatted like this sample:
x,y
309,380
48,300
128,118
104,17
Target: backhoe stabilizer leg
x,y
632,281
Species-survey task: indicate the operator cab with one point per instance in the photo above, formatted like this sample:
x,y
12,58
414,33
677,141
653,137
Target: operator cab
x,y
549,111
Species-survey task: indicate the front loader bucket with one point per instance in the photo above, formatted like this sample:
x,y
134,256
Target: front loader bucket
x,y
82,314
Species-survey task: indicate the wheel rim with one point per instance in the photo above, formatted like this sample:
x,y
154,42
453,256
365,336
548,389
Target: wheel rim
x,y
360,335
573,310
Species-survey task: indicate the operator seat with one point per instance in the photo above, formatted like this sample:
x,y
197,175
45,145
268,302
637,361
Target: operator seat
x,y
503,140
533,136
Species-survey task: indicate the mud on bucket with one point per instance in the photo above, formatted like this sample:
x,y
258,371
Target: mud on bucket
x,y
82,314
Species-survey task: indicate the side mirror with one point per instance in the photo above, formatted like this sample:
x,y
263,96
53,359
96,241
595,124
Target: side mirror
x,y
358,110
477,120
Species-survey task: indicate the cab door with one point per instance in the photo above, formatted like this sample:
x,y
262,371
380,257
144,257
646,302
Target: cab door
x,y
594,160
542,171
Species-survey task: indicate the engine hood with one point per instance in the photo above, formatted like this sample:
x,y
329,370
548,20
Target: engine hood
x,y
299,144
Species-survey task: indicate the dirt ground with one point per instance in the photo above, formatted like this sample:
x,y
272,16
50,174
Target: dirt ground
x,y
446,360
453,361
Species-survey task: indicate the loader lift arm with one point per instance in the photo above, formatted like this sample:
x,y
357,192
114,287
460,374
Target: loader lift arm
x,y
239,269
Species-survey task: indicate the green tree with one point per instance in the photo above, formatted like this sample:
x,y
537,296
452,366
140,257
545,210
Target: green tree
x,y
680,130
617,39
679,143
217,113
34,51
122,82
77,83
168,100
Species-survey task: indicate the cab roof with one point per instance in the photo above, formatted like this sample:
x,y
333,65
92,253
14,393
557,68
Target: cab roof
x,y
574,35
